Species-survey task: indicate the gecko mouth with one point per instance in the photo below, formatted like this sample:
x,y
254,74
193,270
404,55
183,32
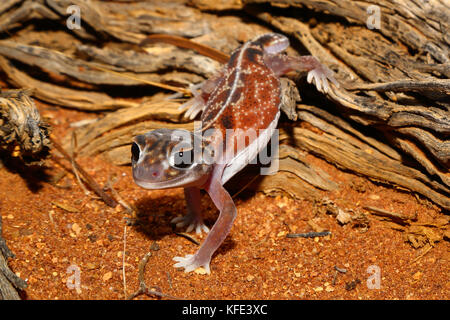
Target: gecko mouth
x,y
159,184
180,180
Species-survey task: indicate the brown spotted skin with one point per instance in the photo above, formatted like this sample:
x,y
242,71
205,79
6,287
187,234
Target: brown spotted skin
x,y
248,95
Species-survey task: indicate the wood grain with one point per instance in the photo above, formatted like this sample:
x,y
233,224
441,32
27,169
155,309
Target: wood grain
x,y
388,121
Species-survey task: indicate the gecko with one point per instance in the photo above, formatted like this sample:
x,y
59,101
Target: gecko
x,y
244,96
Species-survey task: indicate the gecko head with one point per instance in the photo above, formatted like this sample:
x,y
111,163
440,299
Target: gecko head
x,y
166,158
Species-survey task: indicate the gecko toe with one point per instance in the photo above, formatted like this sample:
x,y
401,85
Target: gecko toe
x,y
318,82
200,227
179,221
321,77
190,263
191,223
309,77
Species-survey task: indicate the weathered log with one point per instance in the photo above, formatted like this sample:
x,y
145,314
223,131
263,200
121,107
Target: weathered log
x,y
419,25
129,22
388,121
151,61
79,99
62,65
26,11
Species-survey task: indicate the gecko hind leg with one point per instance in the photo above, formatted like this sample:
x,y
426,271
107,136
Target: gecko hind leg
x,y
193,220
223,201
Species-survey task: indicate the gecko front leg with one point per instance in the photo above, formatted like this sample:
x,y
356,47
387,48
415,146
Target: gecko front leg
x,y
219,231
318,73
193,219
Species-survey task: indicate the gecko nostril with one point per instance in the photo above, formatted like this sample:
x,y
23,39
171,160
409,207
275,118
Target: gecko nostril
x,y
135,151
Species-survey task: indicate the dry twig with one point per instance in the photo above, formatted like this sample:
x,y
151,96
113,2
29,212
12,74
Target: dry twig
x,y
143,288
91,182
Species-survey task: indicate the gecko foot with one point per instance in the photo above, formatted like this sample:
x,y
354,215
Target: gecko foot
x,y
191,222
190,263
320,76
194,105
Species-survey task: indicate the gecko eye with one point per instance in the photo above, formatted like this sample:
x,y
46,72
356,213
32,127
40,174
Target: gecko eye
x,y
182,159
135,151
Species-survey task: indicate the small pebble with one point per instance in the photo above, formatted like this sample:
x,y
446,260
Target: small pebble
x,y
329,289
200,271
90,266
154,246
76,228
281,234
417,275
107,276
